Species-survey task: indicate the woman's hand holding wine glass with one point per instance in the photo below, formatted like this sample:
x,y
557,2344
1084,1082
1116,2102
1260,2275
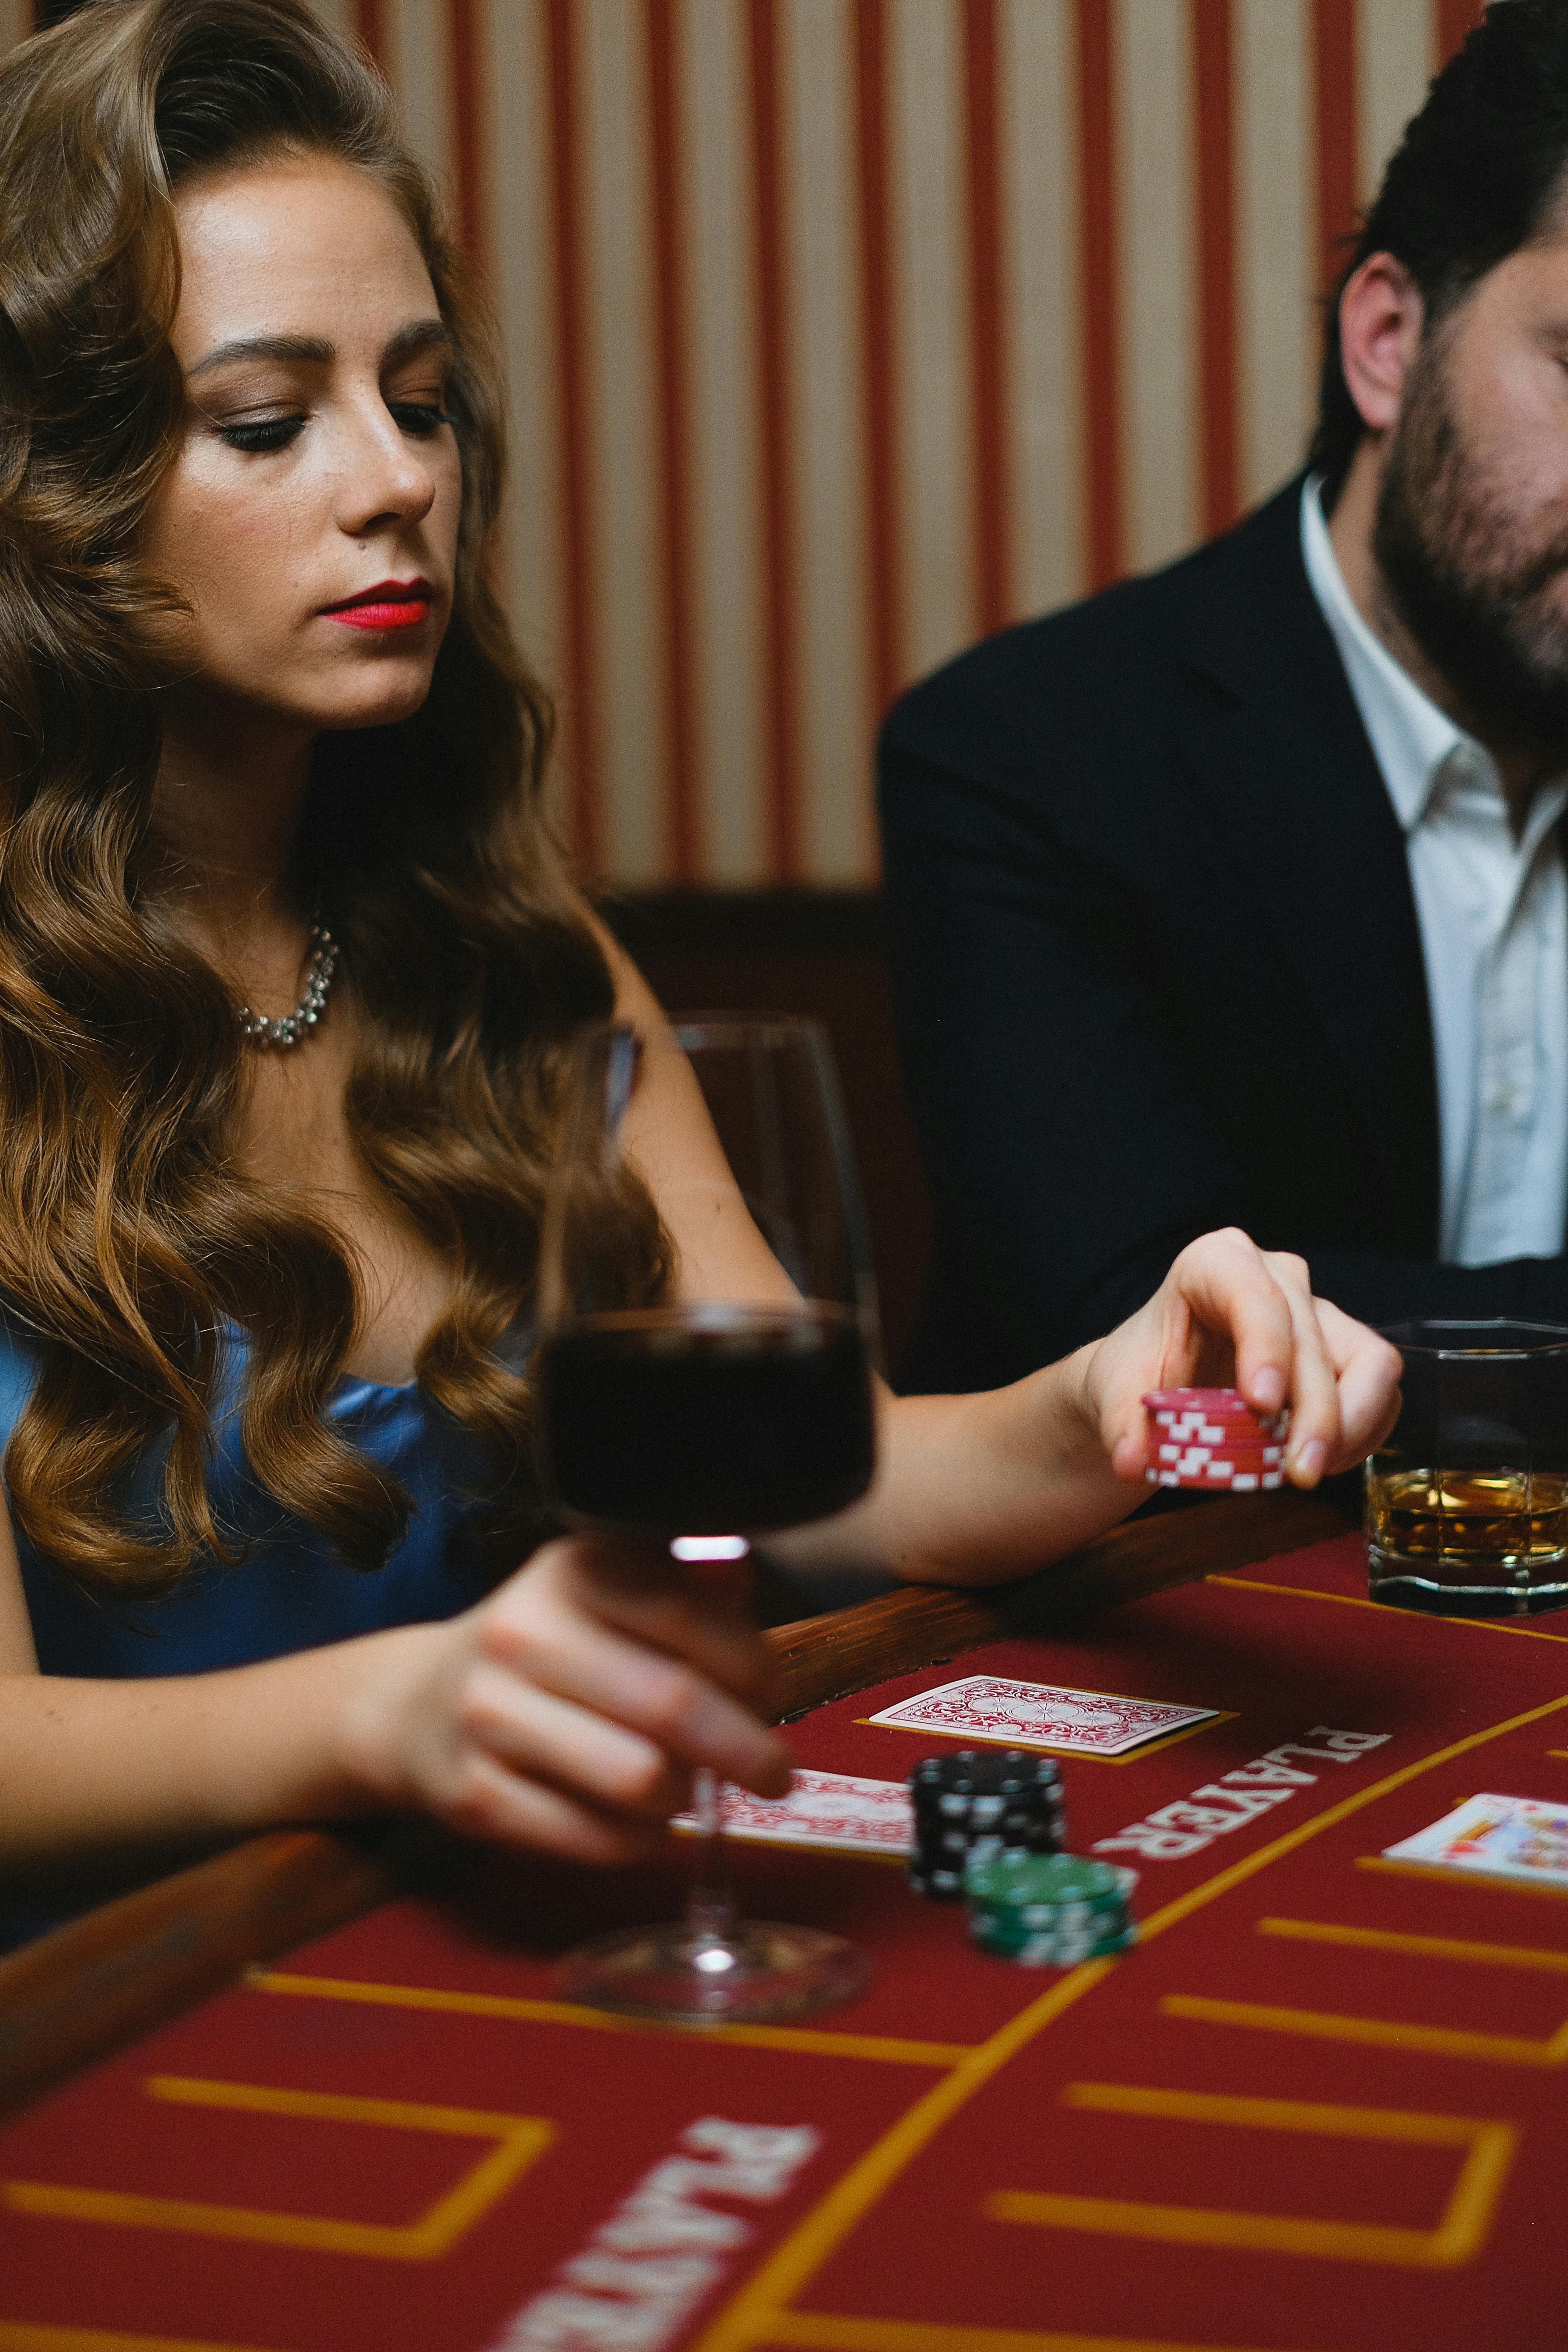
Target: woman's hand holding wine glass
x,y
570,1711
741,1403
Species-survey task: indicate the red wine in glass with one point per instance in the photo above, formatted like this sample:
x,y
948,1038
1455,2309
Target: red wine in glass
x,y
724,1417
704,1422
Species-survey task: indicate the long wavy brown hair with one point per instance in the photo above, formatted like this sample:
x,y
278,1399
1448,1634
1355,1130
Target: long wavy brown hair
x,y
128,1234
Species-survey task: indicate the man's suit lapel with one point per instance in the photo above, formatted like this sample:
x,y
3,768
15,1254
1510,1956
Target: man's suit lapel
x,y
1282,750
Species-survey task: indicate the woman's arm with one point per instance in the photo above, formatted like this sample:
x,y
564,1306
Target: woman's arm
x,y
566,1713
971,1489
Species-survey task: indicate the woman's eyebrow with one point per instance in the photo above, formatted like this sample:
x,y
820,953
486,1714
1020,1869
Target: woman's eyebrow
x,y
313,351
422,335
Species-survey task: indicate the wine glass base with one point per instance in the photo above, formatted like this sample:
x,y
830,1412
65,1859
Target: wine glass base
x,y
761,1969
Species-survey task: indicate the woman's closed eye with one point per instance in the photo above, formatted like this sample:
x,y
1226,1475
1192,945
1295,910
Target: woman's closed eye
x,y
420,417
259,436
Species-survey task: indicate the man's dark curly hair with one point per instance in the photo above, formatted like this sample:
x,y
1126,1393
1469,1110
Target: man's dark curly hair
x,y
1479,173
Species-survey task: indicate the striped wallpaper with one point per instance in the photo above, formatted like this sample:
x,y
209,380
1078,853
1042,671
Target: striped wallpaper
x,y
841,330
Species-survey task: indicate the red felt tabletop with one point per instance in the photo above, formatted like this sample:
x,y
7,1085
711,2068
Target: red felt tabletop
x,y
1318,2107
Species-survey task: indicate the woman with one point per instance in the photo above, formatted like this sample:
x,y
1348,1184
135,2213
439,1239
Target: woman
x,y
266,1273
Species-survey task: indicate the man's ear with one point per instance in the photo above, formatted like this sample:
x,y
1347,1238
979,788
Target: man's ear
x,y
1381,319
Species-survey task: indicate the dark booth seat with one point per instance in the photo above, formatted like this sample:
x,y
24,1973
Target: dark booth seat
x,y
817,953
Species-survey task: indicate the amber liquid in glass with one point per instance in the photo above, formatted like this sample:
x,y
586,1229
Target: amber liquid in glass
x,y
1470,1533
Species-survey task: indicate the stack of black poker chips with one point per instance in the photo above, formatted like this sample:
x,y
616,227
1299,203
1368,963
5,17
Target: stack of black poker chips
x,y
978,1801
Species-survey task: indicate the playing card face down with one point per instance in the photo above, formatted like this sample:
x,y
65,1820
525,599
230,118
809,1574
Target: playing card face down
x,y
1039,1715
822,1809
1504,1837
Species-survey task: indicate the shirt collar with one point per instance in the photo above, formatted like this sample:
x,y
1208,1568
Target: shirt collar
x,y
1414,742
1411,737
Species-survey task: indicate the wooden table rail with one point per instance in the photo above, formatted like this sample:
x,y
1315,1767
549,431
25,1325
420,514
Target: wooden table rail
x,y
92,1986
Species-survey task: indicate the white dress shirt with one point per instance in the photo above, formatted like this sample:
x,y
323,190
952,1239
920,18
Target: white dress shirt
x,y
1494,932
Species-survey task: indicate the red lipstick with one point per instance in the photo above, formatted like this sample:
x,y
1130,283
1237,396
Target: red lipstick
x,y
390,604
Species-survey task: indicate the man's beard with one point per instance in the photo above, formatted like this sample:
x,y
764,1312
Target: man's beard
x,y
1469,580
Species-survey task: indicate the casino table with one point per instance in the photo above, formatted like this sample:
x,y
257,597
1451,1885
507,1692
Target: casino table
x,y
317,2094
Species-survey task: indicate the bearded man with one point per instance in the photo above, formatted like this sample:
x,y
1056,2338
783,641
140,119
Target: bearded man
x,y
1237,895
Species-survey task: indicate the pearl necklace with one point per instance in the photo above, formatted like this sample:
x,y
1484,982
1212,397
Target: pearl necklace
x,y
258,1029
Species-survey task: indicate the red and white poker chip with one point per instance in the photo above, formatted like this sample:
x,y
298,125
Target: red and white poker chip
x,y
1209,1400
1212,1440
1212,1417
1198,1457
1213,1404
1200,1426
1214,1482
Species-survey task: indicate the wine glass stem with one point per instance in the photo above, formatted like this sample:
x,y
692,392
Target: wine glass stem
x,y
710,1906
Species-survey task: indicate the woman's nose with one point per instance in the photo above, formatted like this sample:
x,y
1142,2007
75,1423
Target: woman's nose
x,y
386,477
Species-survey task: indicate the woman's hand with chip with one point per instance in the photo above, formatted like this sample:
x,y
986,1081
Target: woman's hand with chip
x,y
973,1490
1230,1315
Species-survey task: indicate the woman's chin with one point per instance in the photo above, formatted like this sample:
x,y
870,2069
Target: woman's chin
x,y
393,699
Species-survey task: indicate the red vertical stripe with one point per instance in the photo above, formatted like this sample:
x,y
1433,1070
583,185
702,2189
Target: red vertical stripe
x,y
1334,97
577,653
1454,19
682,843
992,555
1213,82
370,24
884,587
779,565
468,132
1098,273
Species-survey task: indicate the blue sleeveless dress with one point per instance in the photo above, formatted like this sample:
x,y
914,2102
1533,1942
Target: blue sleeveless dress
x,y
290,1590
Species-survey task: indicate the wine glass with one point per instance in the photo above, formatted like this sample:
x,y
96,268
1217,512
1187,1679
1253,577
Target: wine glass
x,y
701,1423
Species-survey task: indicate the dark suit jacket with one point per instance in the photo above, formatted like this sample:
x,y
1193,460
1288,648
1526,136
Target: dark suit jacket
x,y
1157,966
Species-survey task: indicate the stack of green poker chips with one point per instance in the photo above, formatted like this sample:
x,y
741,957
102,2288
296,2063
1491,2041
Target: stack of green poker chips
x,y
1048,1910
